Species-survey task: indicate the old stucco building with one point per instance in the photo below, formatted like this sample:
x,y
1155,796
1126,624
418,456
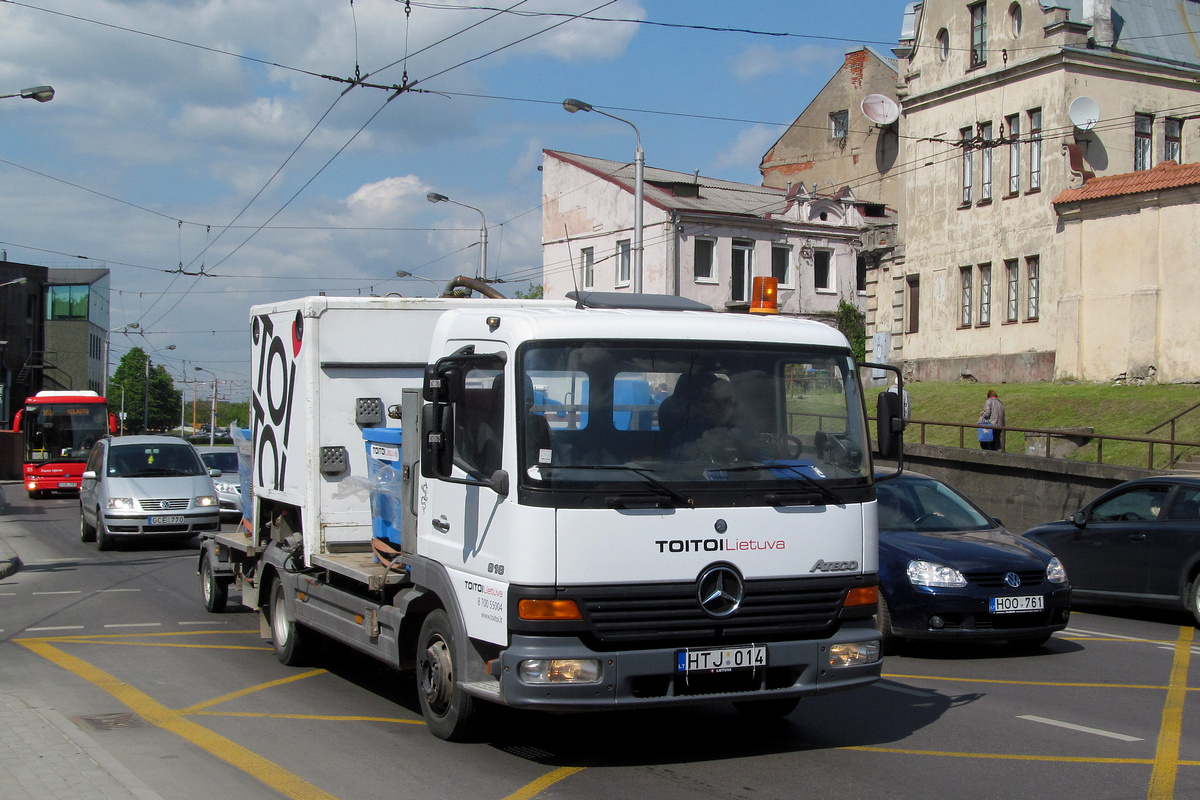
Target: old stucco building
x,y
705,239
989,281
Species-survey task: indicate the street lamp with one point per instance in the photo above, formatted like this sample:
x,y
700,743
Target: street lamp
x,y
14,282
212,424
434,197
639,168
401,273
146,388
43,94
133,326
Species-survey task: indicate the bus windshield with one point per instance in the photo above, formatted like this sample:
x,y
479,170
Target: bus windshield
x,y
62,431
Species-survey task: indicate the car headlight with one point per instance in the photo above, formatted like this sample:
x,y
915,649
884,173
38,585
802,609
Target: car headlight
x,y
227,488
1056,572
206,501
120,503
927,573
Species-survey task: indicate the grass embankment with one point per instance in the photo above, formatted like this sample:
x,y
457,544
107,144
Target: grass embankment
x,y
1109,409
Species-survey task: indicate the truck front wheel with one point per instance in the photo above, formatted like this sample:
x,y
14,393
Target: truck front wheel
x,y
450,713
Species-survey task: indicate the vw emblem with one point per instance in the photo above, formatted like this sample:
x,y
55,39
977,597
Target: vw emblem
x,y
720,591
1012,579
164,505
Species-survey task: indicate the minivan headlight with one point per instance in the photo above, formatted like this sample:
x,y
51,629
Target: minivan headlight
x,y
206,501
120,503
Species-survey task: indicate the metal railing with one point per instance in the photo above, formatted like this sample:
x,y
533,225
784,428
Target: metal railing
x,y
1049,435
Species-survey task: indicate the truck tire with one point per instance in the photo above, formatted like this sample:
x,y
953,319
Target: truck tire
x,y
215,591
450,713
87,533
890,642
295,645
104,539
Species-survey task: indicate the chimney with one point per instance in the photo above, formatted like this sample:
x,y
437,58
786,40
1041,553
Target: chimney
x,y
1098,14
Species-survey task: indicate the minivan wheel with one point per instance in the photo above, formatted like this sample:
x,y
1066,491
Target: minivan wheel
x,y
87,533
104,539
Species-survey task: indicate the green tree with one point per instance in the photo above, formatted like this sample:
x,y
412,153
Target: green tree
x,y
126,391
534,293
853,325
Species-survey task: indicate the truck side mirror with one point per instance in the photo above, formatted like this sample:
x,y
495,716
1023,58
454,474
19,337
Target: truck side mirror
x,y
889,424
442,385
437,440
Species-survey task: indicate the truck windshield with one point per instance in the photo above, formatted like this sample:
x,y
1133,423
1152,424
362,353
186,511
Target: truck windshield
x,y
62,431
699,423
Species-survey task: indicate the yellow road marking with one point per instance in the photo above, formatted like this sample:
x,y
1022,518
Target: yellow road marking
x,y
92,636
546,781
314,717
1027,683
251,690
1166,757
229,751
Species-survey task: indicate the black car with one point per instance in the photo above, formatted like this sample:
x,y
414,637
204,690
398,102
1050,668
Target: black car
x,y
948,571
1137,544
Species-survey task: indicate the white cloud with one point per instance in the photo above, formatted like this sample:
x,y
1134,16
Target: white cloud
x,y
747,150
760,60
383,199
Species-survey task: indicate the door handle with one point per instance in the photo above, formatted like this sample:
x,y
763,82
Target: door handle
x,y
440,524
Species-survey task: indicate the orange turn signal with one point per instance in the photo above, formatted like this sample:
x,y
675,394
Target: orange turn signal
x,y
765,297
863,596
548,609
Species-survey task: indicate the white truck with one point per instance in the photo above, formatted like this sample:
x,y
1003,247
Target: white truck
x,y
615,502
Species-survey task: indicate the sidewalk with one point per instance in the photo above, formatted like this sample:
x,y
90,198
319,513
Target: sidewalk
x,y
45,756
9,563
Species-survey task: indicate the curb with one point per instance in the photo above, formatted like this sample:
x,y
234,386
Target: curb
x,y
9,563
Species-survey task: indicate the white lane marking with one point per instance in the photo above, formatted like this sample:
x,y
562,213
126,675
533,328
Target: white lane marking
x,y
203,622
102,591
1080,728
135,625
57,628
75,591
1081,632
1170,649
894,687
8,594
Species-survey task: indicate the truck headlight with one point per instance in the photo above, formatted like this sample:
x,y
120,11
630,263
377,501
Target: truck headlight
x,y
559,670
853,654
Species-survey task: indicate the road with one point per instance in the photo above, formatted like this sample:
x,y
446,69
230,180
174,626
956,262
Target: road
x,y
113,654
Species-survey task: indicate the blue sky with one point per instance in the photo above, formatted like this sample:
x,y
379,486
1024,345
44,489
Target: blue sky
x,y
170,144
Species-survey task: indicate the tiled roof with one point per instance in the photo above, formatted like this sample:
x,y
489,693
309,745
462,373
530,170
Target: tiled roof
x,y
1167,175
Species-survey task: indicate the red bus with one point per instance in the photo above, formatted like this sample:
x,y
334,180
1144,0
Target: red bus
x,y
58,430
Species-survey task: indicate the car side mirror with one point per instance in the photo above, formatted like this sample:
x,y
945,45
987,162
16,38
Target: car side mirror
x,y
1079,518
89,474
215,473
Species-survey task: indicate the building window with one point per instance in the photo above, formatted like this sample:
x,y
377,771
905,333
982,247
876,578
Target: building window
x,y
968,167
781,264
741,270
1014,153
1174,141
1034,290
839,124
705,267
985,294
860,274
943,44
623,262
823,271
1014,17
913,305
964,317
587,260
985,158
1143,124
67,302
1035,149
978,35
1012,275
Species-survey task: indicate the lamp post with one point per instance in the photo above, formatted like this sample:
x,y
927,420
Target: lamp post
x,y
146,388
14,282
434,197
401,273
639,168
212,424
43,94
133,326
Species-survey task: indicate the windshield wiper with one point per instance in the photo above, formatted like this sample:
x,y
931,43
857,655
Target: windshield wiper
x,y
793,471
627,501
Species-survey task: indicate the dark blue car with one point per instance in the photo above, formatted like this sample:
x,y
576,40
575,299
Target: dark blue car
x,y
947,571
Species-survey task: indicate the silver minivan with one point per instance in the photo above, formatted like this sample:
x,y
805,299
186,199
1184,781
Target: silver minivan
x,y
145,486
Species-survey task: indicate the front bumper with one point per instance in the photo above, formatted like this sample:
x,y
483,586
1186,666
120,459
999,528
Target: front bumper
x,y
967,616
647,678
139,524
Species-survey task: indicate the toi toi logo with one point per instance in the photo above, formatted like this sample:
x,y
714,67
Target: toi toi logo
x,y
273,394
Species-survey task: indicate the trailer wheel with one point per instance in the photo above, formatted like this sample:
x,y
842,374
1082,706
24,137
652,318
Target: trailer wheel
x,y
87,533
294,644
215,591
450,713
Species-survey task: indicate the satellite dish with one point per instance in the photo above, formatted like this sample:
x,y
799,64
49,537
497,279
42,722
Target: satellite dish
x,y
880,109
1084,113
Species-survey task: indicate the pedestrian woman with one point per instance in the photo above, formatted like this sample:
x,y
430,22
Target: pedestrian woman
x,y
993,416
